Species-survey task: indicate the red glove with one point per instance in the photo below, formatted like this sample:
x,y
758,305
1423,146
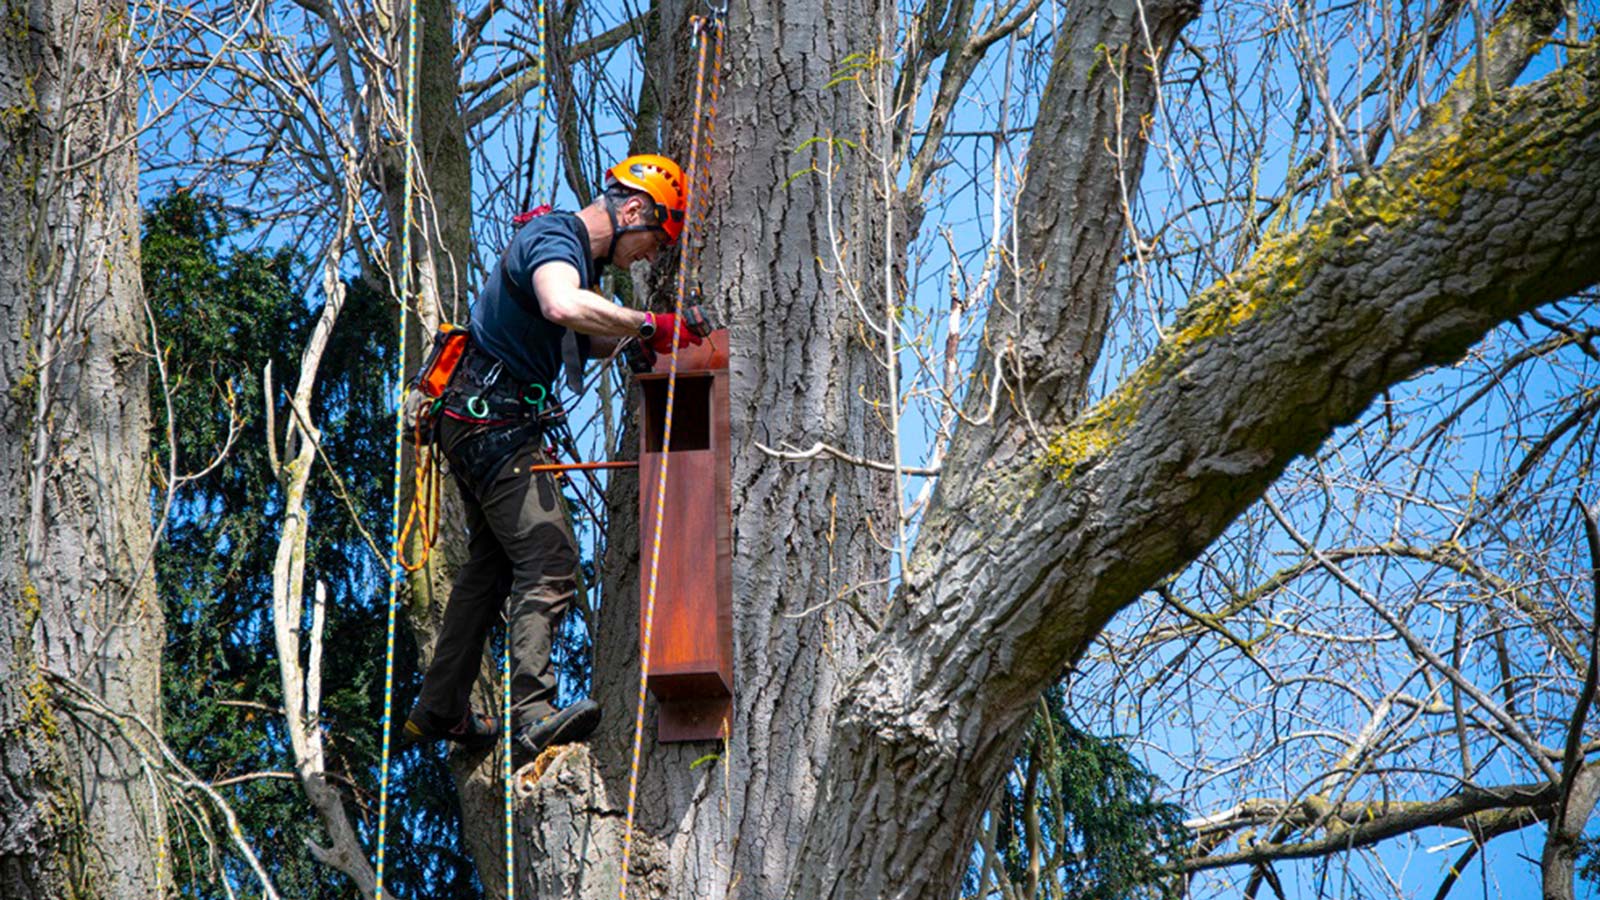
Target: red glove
x,y
691,329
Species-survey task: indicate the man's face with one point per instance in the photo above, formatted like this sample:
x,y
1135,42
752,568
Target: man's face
x,y
639,245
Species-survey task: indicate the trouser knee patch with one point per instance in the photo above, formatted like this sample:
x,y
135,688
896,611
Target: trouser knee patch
x,y
550,543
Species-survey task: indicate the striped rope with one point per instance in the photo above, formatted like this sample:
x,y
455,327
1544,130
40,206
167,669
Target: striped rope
x,y
505,766
539,108
698,23
395,565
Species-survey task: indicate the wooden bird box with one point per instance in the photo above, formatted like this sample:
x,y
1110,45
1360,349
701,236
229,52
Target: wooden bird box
x,y
691,642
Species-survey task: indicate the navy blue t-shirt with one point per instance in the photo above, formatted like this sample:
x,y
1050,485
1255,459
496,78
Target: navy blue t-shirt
x,y
506,320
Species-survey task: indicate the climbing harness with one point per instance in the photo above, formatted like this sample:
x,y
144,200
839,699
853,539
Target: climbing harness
x,y
424,397
707,31
455,374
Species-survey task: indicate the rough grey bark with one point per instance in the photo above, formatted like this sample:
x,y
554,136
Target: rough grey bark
x,y
1559,861
802,533
77,812
1454,236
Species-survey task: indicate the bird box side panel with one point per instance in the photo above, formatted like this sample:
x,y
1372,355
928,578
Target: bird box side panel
x,y
689,650
722,444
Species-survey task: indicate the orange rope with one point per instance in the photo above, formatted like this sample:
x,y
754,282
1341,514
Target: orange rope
x,y
424,510
700,26
584,466
700,166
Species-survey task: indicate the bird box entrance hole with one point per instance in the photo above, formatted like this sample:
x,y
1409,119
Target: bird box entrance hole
x,y
691,646
691,412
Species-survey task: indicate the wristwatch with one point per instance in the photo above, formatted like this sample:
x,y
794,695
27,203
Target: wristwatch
x,y
647,328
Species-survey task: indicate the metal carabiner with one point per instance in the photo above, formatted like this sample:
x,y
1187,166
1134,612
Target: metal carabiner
x,y
493,376
717,10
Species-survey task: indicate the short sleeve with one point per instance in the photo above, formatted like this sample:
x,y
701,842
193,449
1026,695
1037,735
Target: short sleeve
x,y
533,247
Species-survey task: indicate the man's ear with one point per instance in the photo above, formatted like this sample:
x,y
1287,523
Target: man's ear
x,y
641,209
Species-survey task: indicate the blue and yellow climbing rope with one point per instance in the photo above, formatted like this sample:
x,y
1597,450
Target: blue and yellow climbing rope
x,y
396,566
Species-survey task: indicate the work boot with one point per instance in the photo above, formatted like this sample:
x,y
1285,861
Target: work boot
x,y
475,731
564,726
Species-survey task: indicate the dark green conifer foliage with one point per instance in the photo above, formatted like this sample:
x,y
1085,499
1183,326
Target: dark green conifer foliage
x,y
1101,833
222,311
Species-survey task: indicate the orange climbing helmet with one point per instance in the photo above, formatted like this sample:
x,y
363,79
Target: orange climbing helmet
x,y
661,178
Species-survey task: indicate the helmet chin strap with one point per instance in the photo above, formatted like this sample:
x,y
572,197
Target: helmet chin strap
x,y
615,233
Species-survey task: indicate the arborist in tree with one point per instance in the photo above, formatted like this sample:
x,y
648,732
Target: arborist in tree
x,y
536,312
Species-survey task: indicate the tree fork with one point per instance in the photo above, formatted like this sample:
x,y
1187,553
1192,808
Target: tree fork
x,y
1473,226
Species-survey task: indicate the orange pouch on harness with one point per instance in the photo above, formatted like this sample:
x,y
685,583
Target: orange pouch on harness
x,y
449,345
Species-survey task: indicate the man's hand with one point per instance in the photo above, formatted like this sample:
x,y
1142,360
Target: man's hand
x,y
691,329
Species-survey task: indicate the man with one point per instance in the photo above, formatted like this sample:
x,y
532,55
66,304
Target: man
x,y
537,309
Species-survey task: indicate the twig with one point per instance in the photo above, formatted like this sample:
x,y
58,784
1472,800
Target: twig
x,y
820,449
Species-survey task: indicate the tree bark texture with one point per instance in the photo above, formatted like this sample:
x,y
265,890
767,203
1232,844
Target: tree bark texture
x,y
1014,575
1559,862
803,534
78,816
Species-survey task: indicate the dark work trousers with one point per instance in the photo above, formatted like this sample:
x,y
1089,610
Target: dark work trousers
x,y
521,555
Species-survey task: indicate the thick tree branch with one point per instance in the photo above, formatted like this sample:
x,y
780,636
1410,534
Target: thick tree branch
x,y
1519,33
1419,262
1485,813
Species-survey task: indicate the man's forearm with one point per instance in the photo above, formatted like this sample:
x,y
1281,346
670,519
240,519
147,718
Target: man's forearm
x,y
589,313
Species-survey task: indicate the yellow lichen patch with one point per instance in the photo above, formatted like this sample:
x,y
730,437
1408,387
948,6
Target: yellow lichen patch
x,y
31,604
1073,446
1090,434
38,710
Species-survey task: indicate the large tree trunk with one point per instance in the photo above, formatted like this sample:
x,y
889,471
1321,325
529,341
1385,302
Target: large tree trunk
x,y
803,534
78,612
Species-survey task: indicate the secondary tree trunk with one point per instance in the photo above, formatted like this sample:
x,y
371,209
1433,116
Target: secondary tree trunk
x,y
1559,862
78,612
441,246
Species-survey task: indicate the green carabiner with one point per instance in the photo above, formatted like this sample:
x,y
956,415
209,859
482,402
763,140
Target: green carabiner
x,y
536,402
477,407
